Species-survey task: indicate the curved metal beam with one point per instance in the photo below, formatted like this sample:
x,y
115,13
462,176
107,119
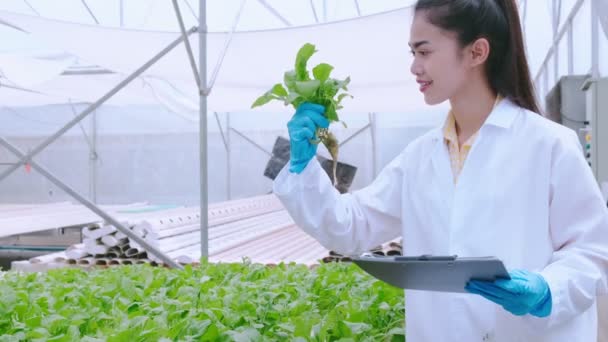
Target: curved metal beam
x,y
274,12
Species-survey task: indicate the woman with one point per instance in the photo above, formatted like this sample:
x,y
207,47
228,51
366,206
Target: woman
x,y
497,179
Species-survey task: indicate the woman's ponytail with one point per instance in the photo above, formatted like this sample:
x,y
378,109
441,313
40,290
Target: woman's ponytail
x,y
513,76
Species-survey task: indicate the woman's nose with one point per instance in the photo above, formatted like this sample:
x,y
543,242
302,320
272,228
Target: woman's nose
x,y
415,68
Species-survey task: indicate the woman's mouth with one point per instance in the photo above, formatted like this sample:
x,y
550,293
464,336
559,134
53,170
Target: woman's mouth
x,y
424,85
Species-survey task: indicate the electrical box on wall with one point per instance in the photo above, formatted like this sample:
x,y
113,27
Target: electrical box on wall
x,y
566,102
596,147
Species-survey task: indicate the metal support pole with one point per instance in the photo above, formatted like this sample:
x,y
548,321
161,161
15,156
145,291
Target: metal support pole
x,y
575,8
202,62
314,11
84,132
94,106
122,13
182,28
355,134
556,9
31,7
191,10
4,85
226,142
90,12
570,48
357,7
242,135
14,27
274,12
105,216
558,14
219,125
373,131
218,65
228,160
93,158
595,39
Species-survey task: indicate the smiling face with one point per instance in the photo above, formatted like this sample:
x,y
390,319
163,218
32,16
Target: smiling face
x,y
439,64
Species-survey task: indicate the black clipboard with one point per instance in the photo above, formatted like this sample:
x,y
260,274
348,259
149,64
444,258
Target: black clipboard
x,y
432,273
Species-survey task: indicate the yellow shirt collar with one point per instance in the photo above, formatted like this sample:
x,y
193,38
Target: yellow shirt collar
x,y
449,127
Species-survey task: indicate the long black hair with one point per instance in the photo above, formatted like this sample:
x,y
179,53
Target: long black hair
x,y
497,21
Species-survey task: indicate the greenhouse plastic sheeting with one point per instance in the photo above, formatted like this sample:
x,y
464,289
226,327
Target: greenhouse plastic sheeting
x,y
372,50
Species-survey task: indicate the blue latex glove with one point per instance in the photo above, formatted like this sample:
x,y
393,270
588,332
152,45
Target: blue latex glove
x,y
526,292
302,134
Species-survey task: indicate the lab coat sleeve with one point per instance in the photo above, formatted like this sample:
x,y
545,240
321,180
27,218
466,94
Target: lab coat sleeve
x,y
577,272
346,223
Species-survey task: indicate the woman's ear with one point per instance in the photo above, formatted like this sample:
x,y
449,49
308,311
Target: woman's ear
x,y
479,51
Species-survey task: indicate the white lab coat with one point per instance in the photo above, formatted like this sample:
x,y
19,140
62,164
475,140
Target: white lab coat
x,y
525,195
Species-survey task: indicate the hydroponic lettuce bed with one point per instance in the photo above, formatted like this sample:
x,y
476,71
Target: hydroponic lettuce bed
x,y
214,302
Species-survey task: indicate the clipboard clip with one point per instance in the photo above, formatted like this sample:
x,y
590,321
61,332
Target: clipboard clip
x,y
436,257
430,257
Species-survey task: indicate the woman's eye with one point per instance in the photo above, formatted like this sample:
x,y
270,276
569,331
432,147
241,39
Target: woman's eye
x,y
420,53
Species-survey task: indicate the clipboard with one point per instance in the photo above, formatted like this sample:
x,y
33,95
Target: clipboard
x,y
432,273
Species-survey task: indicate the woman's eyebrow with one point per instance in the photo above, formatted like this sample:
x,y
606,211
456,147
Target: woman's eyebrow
x,y
416,45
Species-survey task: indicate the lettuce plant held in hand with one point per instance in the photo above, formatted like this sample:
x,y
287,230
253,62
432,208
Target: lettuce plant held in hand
x,y
298,87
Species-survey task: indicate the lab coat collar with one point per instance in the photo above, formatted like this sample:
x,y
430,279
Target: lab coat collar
x,y
502,116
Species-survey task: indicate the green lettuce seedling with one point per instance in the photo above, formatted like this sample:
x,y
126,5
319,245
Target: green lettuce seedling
x,y
298,87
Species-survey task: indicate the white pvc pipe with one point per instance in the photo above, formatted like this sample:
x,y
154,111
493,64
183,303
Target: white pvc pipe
x,y
236,222
85,261
90,242
76,253
112,255
233,241
121,249
171,248
227,243
101,261
188,238
96,249
95,233
109,240
189,259
53,257
155,235
139,231
168,222
131,252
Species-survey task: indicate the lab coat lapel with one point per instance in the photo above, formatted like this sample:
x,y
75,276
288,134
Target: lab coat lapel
x,y
502,117
500,120
474,165
443,177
